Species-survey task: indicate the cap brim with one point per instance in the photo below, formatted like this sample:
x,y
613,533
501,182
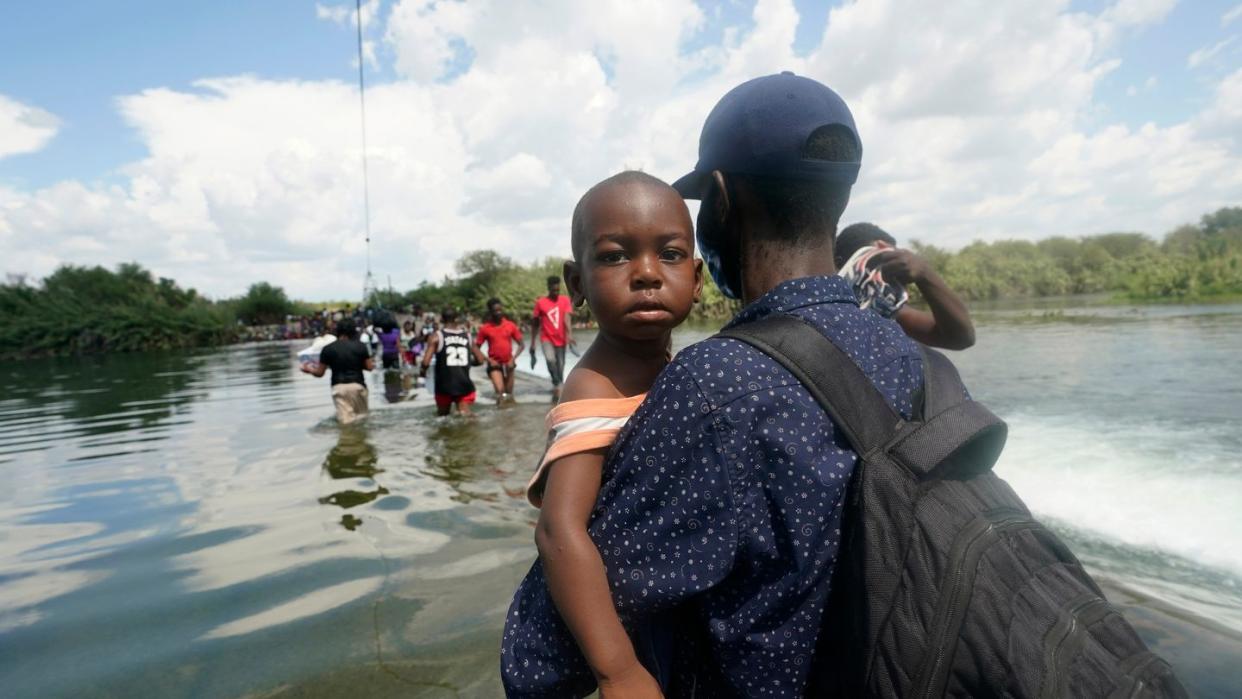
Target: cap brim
x,y
690,186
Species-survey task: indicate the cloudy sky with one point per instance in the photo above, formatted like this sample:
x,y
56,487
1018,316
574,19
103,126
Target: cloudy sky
x,y
218,143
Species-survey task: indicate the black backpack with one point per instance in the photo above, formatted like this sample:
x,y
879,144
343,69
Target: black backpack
x,y
945,584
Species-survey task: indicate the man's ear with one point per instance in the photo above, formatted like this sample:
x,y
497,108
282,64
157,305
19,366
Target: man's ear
x,y
572,274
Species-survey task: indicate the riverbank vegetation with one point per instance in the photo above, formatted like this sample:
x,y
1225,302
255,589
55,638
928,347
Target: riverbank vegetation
x,y
81,310
1193,262
93,309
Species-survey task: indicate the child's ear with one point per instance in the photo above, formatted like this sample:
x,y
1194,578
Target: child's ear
x,y
698,279
572,275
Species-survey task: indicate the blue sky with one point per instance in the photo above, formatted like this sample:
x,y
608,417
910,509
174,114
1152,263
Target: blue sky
x,y
75,58
80,61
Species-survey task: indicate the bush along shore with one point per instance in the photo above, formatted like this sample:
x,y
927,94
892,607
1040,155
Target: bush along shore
x,y
92,309
1192,263
82,310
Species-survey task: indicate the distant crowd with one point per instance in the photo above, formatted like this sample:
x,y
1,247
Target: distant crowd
x,y
351,341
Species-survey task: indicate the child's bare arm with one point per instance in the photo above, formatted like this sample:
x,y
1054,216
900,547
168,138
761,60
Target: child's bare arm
x,y
575,571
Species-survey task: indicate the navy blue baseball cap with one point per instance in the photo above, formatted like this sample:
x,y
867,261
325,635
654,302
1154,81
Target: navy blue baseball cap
x,y
761,128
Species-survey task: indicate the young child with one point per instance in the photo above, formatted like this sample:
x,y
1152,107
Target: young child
x,y
633,264
868,257
452,349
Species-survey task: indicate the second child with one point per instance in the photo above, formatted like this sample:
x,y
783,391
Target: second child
x,y
633,264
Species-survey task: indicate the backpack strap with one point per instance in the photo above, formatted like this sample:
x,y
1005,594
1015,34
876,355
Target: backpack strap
x,y
832,377
955,437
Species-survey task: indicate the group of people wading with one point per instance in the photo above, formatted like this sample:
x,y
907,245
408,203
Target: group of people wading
x,y
450,346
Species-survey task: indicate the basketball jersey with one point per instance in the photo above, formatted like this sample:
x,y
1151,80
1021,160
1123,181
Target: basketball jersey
x,y
453,364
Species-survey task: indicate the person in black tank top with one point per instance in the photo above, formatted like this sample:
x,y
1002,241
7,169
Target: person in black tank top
x,y
452,349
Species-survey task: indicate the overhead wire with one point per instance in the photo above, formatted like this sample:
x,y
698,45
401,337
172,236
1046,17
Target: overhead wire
x,y
366,184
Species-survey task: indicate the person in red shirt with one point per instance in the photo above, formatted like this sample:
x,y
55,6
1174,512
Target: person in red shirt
x,y
499,333
551,321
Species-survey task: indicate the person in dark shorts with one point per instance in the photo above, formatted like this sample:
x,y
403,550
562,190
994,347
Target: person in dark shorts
x,y
348,359
452,349
869,259
499,333
550,324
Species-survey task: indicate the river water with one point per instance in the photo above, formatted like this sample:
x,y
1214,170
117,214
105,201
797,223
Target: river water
x,y
197,525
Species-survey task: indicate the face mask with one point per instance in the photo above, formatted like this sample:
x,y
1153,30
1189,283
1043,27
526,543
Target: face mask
x,y
721,252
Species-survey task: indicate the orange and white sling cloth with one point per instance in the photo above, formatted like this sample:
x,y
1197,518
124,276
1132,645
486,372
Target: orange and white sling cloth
x,y
578,426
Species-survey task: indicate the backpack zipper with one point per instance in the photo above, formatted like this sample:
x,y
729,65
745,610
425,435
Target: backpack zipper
x,y
1073,626
985,526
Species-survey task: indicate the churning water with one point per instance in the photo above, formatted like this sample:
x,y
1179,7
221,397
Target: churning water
x,y
197,525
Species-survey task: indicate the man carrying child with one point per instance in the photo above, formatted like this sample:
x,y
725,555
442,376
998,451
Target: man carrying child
x,y
720,505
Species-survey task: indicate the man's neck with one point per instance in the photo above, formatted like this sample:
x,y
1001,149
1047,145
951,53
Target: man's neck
x,y
767,264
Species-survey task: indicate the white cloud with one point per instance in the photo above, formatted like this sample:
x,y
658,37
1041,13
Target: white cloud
x,y
24,129
347,15
1231,15
1139,12
1207,53
979,120
1223,119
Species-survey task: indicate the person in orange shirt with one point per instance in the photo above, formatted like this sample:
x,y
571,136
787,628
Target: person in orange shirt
x,y
499,333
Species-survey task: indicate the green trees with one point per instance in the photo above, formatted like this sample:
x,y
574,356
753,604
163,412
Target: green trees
x,y
263,304
92,309
1192,262
78,310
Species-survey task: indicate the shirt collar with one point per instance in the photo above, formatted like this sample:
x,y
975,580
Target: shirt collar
x,y
797,293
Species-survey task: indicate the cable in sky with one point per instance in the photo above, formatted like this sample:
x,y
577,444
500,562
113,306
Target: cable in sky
x,y
362,101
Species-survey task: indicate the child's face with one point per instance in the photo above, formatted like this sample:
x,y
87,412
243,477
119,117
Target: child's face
x,y
637,271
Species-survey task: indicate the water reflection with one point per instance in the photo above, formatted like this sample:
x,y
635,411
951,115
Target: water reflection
x,y
397,386
353,456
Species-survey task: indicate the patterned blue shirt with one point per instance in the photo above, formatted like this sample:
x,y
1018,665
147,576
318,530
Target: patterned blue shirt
x,y
719,516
